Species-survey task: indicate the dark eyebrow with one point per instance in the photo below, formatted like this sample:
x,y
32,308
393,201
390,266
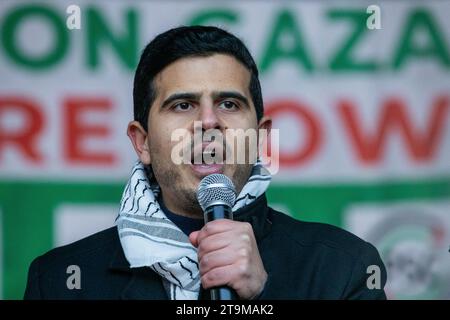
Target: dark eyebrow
x,y
181,96
230,94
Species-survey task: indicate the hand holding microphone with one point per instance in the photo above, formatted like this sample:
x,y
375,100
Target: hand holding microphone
x,y
227,251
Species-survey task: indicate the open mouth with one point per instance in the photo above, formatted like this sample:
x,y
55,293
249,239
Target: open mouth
x,y
208,156
207,161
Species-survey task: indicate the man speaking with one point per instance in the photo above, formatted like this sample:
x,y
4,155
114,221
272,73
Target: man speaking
x,y
204,79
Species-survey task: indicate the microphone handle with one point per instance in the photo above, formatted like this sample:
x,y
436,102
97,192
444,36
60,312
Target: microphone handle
x,y
213,213
216,212
222,293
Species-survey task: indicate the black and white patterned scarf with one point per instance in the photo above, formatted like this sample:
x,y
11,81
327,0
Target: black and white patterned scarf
x,y
150,239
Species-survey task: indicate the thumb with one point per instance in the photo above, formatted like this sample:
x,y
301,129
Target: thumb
x,y
193,238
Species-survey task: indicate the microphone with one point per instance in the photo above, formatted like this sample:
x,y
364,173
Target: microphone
x,y
216,195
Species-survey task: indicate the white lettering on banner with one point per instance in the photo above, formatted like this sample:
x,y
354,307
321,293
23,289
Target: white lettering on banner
x,y
72,222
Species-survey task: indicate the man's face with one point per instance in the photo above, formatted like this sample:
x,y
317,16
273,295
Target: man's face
x,y
213,90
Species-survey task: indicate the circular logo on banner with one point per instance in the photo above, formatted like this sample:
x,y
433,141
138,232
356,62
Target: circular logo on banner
x,y
414,246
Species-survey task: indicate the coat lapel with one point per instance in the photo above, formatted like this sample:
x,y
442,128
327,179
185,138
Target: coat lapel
x,y
144,284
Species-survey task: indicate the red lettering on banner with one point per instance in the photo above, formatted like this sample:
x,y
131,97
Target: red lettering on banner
x,y
25,138
394,118
304,116
76,132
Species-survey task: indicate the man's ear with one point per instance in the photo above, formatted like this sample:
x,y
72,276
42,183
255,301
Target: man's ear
x,y
263,137
139,139
265,123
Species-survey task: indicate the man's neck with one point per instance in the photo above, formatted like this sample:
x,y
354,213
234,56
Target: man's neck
x,y
189,210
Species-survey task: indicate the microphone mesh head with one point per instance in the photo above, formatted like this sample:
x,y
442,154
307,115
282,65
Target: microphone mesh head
x,y
216,187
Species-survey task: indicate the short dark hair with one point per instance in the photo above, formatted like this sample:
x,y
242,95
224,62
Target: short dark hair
x,y
184,42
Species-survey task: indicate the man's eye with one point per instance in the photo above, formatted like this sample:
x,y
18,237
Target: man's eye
x,y
228,105
183,106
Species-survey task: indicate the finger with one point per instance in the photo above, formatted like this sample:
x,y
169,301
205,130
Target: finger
x,y
220,276
213,243
219,258
216,226
193,238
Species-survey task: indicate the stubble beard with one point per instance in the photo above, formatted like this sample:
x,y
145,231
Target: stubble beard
x,y
186,197
170,179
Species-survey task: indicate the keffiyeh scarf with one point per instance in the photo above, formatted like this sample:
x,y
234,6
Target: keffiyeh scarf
x,y
150,239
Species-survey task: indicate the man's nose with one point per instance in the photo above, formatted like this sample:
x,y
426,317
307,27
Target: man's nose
x,y
208,117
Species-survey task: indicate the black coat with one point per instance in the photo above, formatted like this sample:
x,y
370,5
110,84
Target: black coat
x,y
303,260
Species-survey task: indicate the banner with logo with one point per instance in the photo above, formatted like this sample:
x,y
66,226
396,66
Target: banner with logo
x,y
360,91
